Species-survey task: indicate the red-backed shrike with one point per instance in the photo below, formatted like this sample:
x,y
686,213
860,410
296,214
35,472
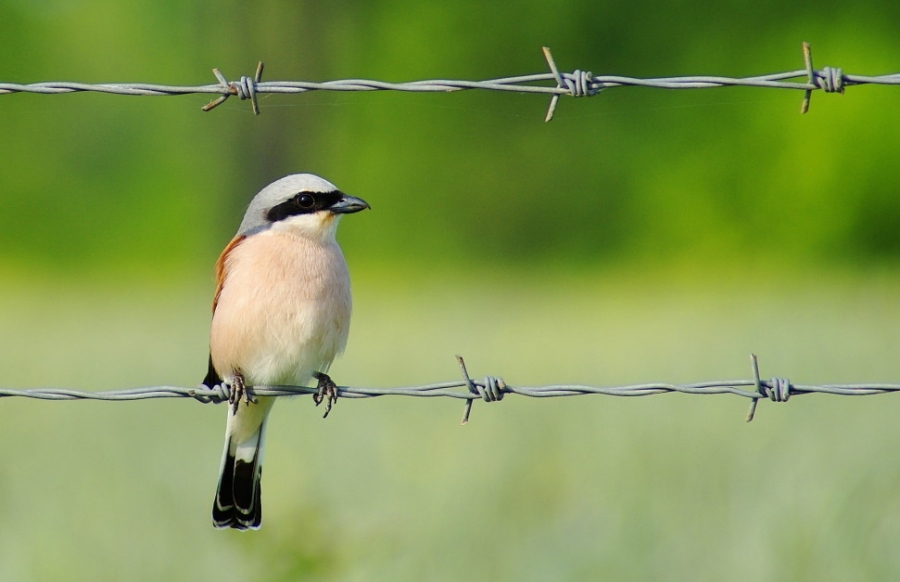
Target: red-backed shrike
x,y
281,314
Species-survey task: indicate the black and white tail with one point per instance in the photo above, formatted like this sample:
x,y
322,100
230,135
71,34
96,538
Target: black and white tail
x,y
238,497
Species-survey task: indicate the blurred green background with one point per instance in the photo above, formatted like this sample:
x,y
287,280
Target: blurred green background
x,y
643,235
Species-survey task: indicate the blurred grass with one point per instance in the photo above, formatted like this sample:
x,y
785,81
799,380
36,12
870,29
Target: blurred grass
x,y
665,487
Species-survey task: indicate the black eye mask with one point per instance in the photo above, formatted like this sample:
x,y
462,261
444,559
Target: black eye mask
x,y
304,203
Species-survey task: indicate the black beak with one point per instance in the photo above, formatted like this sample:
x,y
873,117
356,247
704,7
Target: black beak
x,y
348,205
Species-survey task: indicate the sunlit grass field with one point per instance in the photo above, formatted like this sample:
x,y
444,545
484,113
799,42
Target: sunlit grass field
x,y
666,487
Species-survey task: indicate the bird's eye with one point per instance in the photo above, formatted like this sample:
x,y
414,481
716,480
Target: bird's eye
x,y
305,201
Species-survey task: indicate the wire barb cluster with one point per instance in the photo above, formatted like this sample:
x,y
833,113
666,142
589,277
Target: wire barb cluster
x,y
576,84
488,389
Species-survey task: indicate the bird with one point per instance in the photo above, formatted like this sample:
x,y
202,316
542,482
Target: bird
x,y
281,314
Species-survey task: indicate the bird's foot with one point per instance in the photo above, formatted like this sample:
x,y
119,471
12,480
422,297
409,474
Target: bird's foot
x,y
326,390
240,391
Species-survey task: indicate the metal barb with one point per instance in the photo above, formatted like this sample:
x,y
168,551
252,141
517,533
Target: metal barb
x,y
256,79
227,91
470,386
559,83
810,77
245,89
757,383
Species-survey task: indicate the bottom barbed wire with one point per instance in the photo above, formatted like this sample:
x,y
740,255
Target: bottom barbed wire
x,y
489,389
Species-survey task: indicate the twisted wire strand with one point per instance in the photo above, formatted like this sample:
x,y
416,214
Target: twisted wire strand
x,y
576,84
512,84
488,389
451,390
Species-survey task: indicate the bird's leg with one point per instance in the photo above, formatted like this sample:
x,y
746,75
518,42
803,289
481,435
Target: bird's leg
x,y
326,390
240,391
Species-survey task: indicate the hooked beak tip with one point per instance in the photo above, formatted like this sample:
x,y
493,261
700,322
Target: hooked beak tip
x,y
349,205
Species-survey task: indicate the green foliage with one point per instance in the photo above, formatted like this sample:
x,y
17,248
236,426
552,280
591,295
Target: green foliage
x,y
151,184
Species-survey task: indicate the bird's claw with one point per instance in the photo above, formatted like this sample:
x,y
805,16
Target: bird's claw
x,y
325,391
240,391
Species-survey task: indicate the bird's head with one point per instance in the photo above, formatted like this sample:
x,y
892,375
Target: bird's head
x,y
301,203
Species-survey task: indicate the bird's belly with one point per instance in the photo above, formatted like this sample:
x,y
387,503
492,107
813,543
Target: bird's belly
x,y
281,321
288,348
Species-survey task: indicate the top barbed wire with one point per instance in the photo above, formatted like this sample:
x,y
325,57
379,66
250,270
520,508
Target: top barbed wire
x,y
489,389
576,84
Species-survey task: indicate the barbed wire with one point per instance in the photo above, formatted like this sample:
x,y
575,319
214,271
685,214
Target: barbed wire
x,y
576,84
488,389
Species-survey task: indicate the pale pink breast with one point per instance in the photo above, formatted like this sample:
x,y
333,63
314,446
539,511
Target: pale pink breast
x,y
284,309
